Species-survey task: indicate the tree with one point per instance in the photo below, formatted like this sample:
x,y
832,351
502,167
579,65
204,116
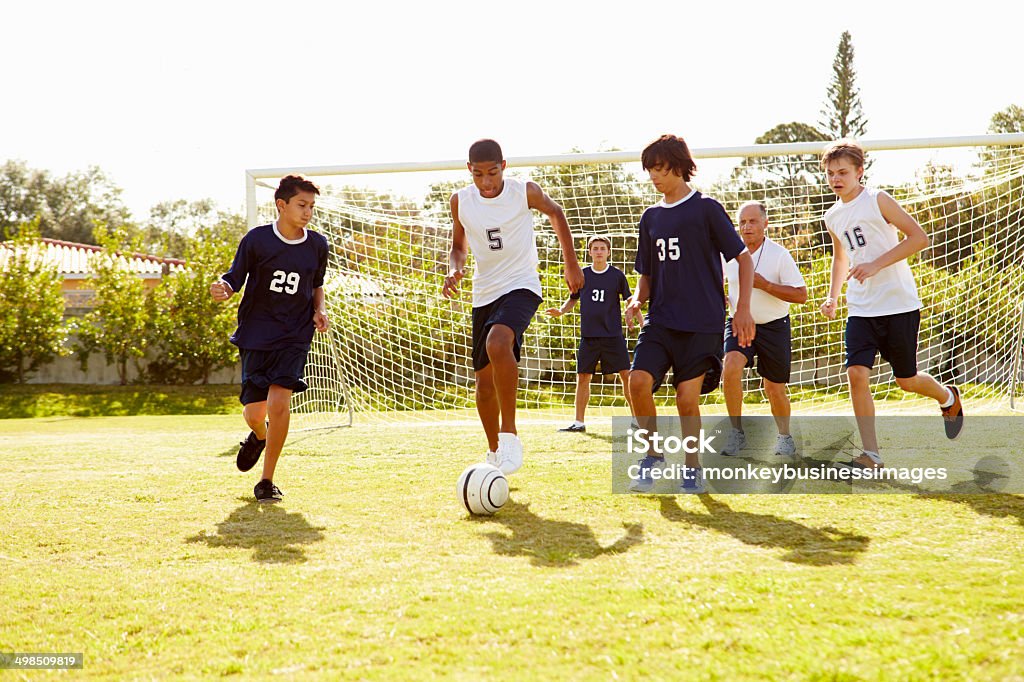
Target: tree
x,y
1009,120
67,207
842,115
790,185
32,331
189,330
117,327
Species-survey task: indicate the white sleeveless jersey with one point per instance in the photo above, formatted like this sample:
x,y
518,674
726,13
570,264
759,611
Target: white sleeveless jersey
x,y
501,237
865,234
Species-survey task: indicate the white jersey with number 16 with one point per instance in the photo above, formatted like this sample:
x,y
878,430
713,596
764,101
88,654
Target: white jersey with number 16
x,y
501,238
865,235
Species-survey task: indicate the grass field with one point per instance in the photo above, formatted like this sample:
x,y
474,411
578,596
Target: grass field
x,y
135,541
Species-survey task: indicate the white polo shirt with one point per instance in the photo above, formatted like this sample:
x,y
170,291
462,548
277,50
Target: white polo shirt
x,y
773,262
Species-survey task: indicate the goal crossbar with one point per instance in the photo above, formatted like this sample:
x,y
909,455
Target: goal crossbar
x,y
252,175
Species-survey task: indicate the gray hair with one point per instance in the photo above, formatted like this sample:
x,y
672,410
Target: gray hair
x,y
760,207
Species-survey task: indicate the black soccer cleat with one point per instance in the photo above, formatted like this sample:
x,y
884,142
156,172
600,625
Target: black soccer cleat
x,y
249,452
572,428
266,491
953,416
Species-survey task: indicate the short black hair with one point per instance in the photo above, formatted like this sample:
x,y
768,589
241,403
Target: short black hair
x,y
485,150
671,151
292,185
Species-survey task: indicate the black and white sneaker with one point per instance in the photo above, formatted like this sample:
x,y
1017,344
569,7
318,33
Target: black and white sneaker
x,y
575,428
266,491
249,452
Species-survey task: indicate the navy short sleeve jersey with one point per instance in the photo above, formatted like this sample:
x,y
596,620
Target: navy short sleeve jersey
x,y
600,312
279,276
681,246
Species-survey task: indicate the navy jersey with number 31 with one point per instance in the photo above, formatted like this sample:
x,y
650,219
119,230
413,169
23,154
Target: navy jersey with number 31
x,y
279,276
600,312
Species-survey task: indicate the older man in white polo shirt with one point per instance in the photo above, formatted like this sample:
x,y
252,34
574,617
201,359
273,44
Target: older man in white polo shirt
x,y
777,283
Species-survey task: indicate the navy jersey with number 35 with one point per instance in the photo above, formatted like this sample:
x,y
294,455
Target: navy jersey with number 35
x,y
681,246
279,276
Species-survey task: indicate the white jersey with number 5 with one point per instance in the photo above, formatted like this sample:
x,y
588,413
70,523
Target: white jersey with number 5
x,y
865,234
501,237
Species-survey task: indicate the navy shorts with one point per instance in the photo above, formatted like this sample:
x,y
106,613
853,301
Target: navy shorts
x,y
609,351
515,310
688,354
263,368
772,345
894,336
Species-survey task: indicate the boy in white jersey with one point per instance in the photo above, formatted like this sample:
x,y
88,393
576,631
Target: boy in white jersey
x,y
601,337
777,283
885,311
493,218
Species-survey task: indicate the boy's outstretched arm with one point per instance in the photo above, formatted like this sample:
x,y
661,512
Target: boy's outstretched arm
x,y
538,200
569,304
742,321
457,255
840,268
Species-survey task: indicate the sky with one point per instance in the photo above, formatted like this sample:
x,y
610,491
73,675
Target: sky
x,y
176,100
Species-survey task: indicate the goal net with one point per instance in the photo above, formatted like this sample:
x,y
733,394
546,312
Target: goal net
x,y
398,350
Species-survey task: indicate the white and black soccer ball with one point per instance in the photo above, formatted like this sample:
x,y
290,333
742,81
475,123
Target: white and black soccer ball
x,y
482,489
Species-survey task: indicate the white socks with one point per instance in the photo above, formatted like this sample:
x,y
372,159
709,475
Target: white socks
x,y
950,398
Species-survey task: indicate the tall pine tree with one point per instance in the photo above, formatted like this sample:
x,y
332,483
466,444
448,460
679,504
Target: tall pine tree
x,y
842,115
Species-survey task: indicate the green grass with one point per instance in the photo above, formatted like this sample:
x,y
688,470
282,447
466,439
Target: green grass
x,y
135,541
88,400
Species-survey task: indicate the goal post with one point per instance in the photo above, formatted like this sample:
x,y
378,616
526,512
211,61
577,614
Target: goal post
x,y
398,350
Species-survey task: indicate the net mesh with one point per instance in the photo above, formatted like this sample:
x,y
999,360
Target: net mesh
x,y
398,350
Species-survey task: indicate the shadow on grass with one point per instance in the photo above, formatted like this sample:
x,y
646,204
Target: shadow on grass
x,y
998,505
552,543
807,545
275,535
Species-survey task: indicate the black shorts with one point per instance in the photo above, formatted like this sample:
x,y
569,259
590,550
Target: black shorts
x,y
894,336
772,345
263,368
515,310
688,354
610,351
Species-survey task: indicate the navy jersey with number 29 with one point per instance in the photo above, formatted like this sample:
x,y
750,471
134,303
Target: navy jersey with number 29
x,y
279,276
680,248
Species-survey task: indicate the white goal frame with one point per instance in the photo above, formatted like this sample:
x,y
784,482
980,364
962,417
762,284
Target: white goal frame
x,y
254,179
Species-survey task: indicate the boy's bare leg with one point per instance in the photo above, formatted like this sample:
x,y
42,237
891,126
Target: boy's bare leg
x,y
487,405
688,406
255,415
500,340
582,395
279,413
624,378
864,409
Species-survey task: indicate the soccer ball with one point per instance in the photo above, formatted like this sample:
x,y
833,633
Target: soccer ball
x,y
482,489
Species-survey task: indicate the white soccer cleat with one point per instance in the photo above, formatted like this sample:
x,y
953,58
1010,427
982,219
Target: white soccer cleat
x,y
785,446
492,458
736,442
510,453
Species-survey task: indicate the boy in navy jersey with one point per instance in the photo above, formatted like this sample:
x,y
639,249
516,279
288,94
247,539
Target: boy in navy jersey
x,y
884,308
282,268
683,240
494,217
601,338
